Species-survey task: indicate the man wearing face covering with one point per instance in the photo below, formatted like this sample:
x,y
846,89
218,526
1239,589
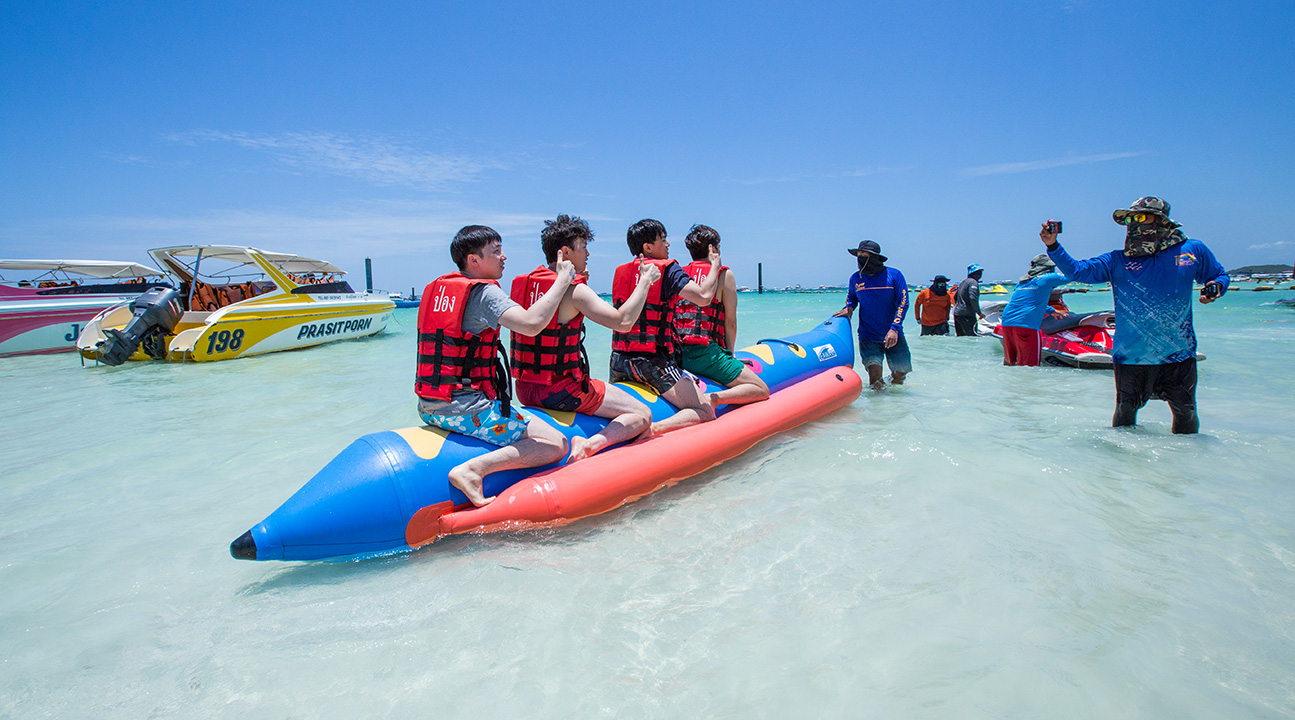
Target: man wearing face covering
x,y
966,302
881,295
1151,280
1022,341
931,308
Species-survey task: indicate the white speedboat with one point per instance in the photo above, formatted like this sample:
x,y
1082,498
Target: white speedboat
x,y
230,301
45,304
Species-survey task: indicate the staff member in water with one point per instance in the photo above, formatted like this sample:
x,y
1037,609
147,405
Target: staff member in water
x,y
1151,281
881,295
931,308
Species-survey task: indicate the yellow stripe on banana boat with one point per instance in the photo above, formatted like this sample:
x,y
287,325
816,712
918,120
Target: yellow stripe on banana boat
x,y
231,301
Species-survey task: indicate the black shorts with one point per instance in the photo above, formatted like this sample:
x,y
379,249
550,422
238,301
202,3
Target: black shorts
x,y
941,329
1175,383
964,325
659,372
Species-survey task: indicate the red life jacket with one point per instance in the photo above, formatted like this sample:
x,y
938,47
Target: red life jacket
x,y
450,359
559,348
653,332
699,325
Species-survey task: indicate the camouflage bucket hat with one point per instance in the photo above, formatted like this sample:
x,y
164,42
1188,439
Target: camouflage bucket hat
x,y
1040,265
1148,204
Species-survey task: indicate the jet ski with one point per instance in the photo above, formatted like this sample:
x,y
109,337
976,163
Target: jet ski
x,y
1077,340
1070,339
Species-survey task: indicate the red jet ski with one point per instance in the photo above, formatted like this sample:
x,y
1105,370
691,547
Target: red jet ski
x,y
1077,340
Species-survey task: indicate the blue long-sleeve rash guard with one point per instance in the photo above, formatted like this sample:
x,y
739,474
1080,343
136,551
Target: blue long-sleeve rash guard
x,y
1153,297
882,300
1029,301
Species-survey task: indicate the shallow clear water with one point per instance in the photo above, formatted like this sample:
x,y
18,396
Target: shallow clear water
x,y
977,543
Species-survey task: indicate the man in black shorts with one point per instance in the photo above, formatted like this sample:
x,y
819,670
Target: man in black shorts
x,y
1152,280
647,353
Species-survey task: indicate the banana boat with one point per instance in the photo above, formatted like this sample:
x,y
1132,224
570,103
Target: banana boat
x,y
389,492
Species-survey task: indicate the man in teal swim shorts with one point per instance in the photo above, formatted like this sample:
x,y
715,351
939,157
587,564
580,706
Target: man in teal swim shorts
x,y
707,333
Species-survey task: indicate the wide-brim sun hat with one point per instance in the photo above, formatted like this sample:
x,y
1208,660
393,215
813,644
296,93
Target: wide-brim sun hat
x,y
1149,204
869,247
973,267
938,278
1040,265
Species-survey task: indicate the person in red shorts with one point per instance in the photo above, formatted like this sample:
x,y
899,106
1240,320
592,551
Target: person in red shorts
x,y
1022,341
552,368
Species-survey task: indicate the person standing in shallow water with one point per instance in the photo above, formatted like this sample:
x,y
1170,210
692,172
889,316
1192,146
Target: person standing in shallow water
x,y
1151,281
932,307
966,302
1023,316
881,295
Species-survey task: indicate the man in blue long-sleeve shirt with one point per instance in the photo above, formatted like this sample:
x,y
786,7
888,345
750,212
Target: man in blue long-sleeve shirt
x,y
1151,280
881,294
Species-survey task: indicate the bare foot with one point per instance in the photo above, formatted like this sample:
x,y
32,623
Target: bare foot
x,y
470,484
582,448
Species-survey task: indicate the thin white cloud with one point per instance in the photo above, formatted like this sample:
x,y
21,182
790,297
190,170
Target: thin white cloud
x,y
1278,244
1031,166
376,160
858,172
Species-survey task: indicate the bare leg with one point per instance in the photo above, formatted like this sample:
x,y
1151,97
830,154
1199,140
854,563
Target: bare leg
x,y
747,387
541,445
874,377
897,378
693,408
630,418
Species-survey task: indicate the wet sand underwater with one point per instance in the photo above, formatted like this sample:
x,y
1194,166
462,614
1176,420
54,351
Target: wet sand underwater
x,y
976,543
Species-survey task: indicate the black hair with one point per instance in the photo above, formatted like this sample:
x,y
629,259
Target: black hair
x,y
471,240
643,232
563,231
699,240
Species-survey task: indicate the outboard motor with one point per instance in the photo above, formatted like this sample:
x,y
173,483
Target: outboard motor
x,y
157,312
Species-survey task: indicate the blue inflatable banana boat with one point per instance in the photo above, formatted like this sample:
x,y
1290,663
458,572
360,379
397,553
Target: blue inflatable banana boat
x,y
389,491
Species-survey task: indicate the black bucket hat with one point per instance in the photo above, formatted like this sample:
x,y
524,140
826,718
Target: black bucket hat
x,y
869,247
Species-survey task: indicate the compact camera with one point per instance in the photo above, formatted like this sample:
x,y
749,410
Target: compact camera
x,y
1054,227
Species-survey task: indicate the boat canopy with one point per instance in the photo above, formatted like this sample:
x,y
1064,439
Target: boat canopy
x,y
103,269
287,262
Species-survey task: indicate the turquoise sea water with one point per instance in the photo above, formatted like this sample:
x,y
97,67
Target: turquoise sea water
x,y
977,543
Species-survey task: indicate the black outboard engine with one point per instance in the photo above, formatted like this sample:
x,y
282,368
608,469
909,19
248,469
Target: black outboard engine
x,y
157,312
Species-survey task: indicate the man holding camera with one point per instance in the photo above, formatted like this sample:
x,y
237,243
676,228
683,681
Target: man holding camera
x,y
1151,281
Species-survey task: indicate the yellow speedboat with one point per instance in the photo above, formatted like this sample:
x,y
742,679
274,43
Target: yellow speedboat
x,y
231,301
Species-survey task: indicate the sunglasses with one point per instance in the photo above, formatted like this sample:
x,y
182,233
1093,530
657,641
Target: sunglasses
x,y
1138,218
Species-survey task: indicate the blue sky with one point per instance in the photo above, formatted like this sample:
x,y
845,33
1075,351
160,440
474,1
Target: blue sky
x,y
944,132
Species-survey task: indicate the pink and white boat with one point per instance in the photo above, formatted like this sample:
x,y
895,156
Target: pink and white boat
x,y
44,304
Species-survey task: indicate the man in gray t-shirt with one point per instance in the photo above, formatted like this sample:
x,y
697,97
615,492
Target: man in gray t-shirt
x,y
520,441
485,304
966,302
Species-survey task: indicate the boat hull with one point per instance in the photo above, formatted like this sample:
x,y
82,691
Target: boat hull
x,y
389,491
255,328
31,324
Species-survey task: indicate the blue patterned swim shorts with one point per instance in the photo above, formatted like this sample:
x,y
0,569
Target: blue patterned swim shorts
x,y
489,425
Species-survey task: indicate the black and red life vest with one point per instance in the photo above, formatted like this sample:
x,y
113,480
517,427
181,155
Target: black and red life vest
x,y
450,359
653,332
699,325
559,348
